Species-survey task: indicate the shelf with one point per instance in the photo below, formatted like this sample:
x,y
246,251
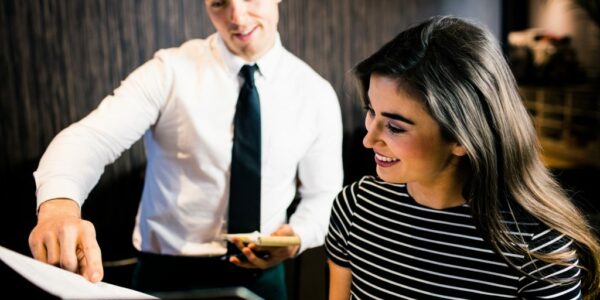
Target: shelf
x,y
567,121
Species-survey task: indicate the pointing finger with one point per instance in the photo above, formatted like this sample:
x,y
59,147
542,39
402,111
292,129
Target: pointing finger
x,y
89,257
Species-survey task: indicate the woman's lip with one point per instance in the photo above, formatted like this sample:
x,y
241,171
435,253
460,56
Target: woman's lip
x,y
383,163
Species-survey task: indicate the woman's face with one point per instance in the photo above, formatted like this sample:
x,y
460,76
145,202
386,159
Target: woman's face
x,y
407,141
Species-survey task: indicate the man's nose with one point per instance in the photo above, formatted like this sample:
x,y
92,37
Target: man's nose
x,y
237,11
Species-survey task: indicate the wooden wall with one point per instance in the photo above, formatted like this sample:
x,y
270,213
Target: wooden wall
x,y
59,58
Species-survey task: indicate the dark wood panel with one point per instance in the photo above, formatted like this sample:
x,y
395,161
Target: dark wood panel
x,y
60,58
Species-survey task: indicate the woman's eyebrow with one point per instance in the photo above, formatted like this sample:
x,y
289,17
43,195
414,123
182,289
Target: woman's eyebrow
x,y
397,117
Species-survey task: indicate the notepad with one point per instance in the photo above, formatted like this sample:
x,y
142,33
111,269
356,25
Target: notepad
x,y
264,240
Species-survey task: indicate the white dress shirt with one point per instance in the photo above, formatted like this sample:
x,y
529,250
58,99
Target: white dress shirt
x,y
183,101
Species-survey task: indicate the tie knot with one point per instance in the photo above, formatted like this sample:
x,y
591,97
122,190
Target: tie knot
x,y
247,73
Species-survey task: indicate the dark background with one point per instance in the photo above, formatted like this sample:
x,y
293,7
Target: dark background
x,y
60,58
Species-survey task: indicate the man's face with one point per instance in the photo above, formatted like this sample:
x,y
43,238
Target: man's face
x,y
248,27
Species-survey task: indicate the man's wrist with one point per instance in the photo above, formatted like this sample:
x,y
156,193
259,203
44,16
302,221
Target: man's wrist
x,y
59,206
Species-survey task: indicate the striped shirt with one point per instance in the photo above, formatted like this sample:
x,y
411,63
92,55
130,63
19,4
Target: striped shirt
x,y
397,248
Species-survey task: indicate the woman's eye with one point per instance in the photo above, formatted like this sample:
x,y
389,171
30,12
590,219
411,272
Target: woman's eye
x,y
394,129
369,110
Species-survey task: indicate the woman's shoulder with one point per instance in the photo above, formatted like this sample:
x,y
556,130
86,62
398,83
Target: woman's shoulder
x,y
368,187
544,241
536,234
374,184
548,240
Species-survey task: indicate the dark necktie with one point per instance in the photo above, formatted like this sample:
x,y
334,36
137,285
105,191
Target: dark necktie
x,y
244,198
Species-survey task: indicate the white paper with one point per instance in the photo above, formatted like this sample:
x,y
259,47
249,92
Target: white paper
x,y
263,240
62,283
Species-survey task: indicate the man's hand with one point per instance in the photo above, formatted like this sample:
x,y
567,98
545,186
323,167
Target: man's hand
x,y
276,254
63,239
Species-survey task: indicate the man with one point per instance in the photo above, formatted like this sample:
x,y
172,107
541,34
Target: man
x,y
183,102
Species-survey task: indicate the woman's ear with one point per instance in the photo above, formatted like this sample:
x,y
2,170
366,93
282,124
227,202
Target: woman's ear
x,y
458,150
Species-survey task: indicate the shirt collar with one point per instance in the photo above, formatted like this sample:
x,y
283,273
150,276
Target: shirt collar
x,y
266,64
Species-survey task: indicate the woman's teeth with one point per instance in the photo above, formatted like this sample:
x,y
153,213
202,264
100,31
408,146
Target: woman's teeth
x,y
385,158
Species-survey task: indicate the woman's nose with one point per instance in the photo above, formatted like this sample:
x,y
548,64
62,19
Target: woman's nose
x,y
371,136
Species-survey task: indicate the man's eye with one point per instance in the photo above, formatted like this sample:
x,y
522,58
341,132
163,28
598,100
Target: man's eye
x,y
217,4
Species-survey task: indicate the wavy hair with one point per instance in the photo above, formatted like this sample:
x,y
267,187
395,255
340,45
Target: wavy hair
x,y
459,72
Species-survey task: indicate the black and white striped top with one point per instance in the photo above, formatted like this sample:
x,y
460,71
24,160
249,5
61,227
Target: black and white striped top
x,y
397,248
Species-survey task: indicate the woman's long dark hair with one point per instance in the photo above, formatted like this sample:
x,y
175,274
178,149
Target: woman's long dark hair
x,y
460,74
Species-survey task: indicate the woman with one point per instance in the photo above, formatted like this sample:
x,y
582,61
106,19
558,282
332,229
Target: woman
x,y
462,206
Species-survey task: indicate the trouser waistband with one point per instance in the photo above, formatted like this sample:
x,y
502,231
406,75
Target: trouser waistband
x,y
166,273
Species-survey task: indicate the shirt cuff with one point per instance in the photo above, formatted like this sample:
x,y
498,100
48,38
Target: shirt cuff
x,y
59,188
307,239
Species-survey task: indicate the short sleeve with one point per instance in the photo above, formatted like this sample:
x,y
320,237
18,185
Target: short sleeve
x,y
336,242
567,278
